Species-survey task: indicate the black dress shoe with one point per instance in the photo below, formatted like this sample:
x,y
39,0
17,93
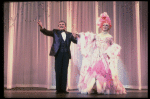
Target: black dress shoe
x,y
59,92
65,92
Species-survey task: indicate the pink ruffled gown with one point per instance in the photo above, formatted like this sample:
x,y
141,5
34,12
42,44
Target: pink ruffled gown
x,y
99,64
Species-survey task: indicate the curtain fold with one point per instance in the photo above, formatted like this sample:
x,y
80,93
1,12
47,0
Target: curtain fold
x,y
26,50
144,42
126,34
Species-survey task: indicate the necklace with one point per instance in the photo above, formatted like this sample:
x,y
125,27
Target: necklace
x,y
104,33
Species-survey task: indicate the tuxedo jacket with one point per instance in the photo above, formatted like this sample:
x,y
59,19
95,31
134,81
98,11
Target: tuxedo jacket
x,y
55,33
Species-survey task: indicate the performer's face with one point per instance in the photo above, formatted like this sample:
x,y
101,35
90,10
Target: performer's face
x,y
105,27
61,26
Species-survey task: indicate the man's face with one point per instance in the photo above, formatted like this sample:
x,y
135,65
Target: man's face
x,y
61,26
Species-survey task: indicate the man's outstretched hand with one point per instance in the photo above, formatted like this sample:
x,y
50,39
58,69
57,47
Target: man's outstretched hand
x,y
40,24
76,35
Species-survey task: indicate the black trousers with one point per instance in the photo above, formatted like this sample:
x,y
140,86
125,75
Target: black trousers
x,y
61,69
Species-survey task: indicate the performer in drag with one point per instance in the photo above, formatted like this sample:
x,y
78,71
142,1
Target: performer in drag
x,y
99,64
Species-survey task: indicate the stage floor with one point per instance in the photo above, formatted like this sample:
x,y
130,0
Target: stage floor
x,y
44,93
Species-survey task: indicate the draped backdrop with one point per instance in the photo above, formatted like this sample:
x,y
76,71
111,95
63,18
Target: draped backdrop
x,y
26,50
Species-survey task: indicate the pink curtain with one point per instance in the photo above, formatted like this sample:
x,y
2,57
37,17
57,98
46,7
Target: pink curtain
x,y
26,50
144,42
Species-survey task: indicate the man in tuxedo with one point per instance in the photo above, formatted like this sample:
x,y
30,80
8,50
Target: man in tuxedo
x,y
61,51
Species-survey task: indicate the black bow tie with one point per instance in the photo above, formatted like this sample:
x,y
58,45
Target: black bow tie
x,y
62,31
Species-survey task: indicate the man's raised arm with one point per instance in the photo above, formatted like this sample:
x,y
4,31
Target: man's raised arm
x,y
45,31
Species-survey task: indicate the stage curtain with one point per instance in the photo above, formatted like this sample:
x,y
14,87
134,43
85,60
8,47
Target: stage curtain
x,y
26,50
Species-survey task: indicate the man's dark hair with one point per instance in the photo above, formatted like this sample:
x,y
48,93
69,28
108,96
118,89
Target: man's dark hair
x,y
62,21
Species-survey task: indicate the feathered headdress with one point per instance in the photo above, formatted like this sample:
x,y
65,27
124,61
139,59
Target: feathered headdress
x,y
104,18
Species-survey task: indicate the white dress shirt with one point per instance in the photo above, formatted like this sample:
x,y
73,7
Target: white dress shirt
x,y
63,34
